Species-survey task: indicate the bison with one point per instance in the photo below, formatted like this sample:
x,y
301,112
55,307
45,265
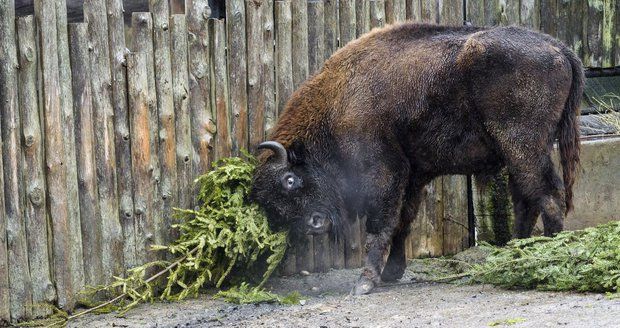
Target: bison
x,y
404,104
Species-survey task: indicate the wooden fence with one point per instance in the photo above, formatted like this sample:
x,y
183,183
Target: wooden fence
x,y
99,143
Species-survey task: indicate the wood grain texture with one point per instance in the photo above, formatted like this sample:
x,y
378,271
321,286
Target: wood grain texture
x,y
142,41
202,118
530,14
220,103
66,102
332,27
122,142
56,178
284,65
103,114
90,212
35,214
165,106
237,74
268,70
377,13
256,82
347,21
139,121
180,92
362,17
20,287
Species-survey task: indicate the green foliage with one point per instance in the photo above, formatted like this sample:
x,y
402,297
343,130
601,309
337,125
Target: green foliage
x,y
223,233
57,319
244,294
585,261
506,322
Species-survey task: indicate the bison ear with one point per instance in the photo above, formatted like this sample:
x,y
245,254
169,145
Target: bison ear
x,y
296,152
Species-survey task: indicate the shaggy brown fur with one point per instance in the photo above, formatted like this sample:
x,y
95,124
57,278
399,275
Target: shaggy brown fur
x,y
407,103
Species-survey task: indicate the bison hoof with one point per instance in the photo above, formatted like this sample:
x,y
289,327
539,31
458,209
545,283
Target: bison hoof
x,y
363,286
392,273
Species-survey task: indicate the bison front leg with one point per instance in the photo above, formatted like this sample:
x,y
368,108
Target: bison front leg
x,y
384,203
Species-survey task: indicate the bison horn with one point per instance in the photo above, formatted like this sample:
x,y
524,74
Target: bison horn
x,y
277,148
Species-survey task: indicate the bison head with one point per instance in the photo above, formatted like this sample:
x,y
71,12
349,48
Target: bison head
x,y
296,192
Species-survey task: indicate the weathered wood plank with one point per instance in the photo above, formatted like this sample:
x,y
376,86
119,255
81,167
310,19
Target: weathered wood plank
x,y
237,74
142,25
400,10
284,88
116,29
332,27
455,228
609,32
549,17
452,12
105,156
66,103
299,51
256,94
362,17
492,12
20,287
429,11
347,21
593,34
220,93
34,180
377,13
389,11
56,179
299,25
139,116
284,65
180,91
316,57
530,14
85,142
165,109
202,122
268,70
413,10
316,35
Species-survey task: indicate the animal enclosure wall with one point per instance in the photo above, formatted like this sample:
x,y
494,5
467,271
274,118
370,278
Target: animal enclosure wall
x,y
102,135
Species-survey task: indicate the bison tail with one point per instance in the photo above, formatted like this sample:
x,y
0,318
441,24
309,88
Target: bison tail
x,y
568,134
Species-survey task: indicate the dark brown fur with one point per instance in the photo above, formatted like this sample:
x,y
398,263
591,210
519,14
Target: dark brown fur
x,y
407,103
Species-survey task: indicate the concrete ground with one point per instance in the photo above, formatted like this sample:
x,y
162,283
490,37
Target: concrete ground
x,y
409,303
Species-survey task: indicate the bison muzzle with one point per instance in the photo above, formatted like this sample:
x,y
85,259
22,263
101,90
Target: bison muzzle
x,y
407,103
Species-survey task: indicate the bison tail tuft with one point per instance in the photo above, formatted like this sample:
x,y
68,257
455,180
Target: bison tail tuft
x,y
568,134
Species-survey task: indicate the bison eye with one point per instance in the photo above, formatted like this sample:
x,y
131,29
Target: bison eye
x,y
290,181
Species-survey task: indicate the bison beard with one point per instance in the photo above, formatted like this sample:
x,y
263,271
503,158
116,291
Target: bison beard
x,y
407,103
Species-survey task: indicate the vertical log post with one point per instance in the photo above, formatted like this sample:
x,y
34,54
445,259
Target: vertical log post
x,y
139,115
35,214
377,13
56,178
413,10
165,106
530,13
95,16
116,29
256,95
268,68
284,87
202,121
284,66
66,103
316,57
237,74
299,25
347,21
20,287
85,143
389,11
142,25
180,92
220,91
332,27
362,17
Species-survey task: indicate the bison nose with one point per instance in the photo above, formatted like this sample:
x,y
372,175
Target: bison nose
x,y
317,220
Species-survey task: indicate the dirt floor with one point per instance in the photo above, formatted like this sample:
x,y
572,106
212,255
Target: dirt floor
x,y
410,303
